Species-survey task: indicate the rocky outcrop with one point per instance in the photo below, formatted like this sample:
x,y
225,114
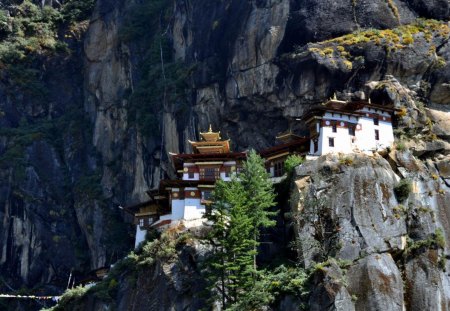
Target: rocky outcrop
x,y
347,208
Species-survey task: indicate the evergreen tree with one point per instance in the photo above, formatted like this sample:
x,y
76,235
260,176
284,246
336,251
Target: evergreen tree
x,y
230,267
240,210
259,194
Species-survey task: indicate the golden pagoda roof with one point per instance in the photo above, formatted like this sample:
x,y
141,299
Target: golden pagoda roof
x,y
211,143
210,135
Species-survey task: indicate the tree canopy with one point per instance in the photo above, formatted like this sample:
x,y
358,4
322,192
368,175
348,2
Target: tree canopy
x,y
241,208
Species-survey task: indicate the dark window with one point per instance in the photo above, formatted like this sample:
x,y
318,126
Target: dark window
x,y
279,169
227,171
351,130
331,141
191,175
316,146
209,173
375,121
377,135
334,127
207,195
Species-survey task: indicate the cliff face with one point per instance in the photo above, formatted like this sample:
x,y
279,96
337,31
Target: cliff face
x,y
347,209
250,66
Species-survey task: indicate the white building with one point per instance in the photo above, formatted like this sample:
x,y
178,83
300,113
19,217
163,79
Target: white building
x,y
187,199
340,126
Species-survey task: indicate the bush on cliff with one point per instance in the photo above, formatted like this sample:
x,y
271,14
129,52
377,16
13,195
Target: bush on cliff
x,y
403,189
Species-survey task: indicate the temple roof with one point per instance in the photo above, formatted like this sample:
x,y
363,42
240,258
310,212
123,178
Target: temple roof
x,y
210,143
345,107
132,209
288,137
210,135
294,145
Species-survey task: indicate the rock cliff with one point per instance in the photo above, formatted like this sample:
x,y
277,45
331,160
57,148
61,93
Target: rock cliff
x,y
87,129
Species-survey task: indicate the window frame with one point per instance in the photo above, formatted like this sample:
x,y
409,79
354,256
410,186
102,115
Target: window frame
x,y
352,130
377,135
331,142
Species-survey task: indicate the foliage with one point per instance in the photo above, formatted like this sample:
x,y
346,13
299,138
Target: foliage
x,y
403,189
89,185
391,39
394,9
30,33
435,240
292,162
70,298
161,80
324,229
72,122
400,146
229,269
75,10
162,248
259,193
143,18
348,161
240,210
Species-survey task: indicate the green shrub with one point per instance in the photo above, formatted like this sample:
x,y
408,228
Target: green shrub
x,y
400,146
271,285
292,162
77,10
403,189
348,161
439,238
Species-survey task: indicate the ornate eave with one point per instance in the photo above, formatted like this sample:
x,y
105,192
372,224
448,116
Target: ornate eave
x,y
210,143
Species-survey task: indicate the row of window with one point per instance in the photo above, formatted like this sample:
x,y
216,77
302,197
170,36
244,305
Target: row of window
x,y
351,130
148,221
209,173
331,140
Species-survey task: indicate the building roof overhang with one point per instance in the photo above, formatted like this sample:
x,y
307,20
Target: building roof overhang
x,y
283,148
178,183
343,107
179,159
133,209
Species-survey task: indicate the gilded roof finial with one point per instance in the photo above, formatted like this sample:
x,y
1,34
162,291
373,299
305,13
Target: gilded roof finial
x,y
334,96
210,128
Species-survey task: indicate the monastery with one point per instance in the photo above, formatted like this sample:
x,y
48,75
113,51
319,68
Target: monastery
x,y
335,127
188,197
346,127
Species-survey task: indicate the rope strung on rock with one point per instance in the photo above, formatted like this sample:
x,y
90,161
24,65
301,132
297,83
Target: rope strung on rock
x,y
54,298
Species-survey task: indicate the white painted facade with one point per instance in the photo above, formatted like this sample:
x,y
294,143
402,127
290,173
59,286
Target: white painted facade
x,y
187,208
140,236
367,129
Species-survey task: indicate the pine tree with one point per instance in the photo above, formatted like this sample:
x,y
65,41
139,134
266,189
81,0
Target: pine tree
x,y
230,266
259,194
241,208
